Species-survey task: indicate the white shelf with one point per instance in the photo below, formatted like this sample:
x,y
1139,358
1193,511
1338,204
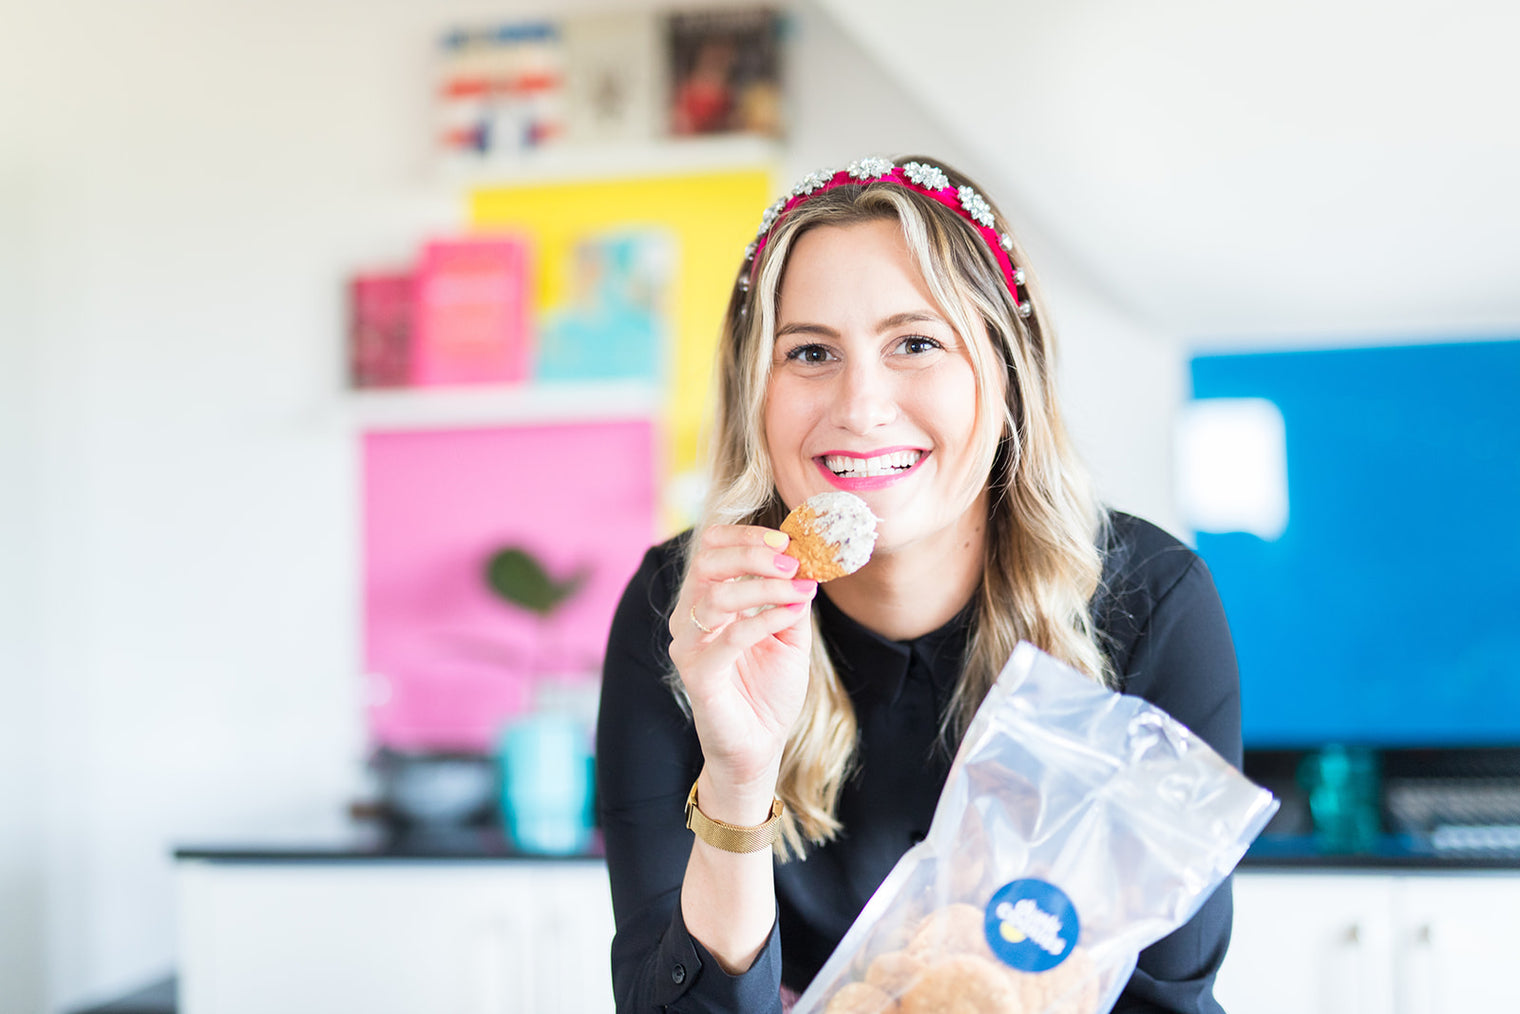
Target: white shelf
x,y
568,162
501,405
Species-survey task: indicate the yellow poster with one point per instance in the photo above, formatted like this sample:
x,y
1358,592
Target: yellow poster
x,y
693,227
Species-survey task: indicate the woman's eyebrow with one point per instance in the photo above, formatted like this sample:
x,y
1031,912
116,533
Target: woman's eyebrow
x,y
887,324
806,328
910,317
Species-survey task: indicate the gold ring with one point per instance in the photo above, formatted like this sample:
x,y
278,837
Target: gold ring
x,y
698,623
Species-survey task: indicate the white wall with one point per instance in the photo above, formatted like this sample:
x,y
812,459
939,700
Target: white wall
x,y
21,742
1264,170
183,189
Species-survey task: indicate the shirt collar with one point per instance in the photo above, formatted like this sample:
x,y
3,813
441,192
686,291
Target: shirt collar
x,y
873,668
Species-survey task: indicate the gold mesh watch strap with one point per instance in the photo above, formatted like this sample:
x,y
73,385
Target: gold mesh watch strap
x,y
728,837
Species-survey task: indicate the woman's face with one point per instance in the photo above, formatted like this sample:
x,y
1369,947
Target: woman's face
x,y
873,391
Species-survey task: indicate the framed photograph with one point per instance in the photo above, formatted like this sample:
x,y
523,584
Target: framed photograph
x,y
501,89
613,86
725,72
612,323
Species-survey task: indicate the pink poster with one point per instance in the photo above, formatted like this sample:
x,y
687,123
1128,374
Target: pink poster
x,y
449,660
472,312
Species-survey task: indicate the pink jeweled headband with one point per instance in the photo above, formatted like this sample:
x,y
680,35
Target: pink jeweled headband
x,y
925,179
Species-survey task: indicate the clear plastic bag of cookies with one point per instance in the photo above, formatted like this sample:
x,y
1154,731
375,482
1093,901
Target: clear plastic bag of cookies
x,y
1076,827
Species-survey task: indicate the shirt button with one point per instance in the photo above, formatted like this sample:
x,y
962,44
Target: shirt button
x,y
678,974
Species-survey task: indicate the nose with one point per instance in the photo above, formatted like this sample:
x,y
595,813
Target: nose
x,y
866,397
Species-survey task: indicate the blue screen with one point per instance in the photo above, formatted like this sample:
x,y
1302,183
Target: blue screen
x,y
1388,613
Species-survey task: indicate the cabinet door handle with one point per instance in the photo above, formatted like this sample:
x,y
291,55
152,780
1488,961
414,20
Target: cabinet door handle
x,y
1419,984
1355,963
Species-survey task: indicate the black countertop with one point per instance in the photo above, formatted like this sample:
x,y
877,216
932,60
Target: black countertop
x,y
374,841
1408,853
362,841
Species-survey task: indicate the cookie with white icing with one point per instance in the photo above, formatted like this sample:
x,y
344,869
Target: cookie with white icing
x,y
832,534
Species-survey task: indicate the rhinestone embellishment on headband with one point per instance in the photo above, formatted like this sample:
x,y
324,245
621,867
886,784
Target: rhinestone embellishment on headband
x,y
930,177
931,180
976,206
768,219
871,168
812,181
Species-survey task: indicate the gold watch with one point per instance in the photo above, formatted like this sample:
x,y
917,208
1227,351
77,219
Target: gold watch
x,y
728,837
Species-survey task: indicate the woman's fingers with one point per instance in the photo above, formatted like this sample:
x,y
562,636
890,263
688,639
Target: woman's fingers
x,y
719,536
724,563
708,615
734,568
712,653
735,597
753,628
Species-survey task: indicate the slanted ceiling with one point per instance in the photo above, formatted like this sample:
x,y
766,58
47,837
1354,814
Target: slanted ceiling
x,y
1243,172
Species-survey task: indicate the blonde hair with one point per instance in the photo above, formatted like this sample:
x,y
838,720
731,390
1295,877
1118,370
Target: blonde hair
x,y
1045,525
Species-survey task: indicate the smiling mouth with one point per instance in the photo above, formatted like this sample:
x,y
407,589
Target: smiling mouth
x,y
893,463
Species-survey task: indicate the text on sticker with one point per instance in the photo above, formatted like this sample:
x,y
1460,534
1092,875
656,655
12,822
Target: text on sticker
x,y
1035,923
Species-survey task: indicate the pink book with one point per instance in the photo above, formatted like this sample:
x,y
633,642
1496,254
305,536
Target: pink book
x,y
472,312
380,329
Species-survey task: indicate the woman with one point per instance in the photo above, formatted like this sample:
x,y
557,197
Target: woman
x,y
883,338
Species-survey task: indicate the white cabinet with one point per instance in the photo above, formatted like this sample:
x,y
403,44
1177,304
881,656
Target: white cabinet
x,y
1459,942
382,937
1373,943
1309,943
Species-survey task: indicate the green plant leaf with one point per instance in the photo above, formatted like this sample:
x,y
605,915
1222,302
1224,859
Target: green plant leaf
x,y
517,577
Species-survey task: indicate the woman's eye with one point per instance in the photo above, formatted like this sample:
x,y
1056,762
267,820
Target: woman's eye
x,y
918,345
808,354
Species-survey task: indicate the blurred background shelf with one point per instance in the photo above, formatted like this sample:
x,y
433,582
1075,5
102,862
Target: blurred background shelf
x,y
500,405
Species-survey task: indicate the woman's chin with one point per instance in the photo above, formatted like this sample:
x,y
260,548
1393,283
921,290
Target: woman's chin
x,y
887,541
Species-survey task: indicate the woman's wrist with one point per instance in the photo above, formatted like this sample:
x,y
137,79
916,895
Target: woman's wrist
x,y
743,802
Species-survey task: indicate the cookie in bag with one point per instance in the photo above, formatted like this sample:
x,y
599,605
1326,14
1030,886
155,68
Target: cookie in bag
x,y
949,968
862,998
894,971
954,929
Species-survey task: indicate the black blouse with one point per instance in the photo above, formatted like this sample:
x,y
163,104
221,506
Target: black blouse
x,y
1165,633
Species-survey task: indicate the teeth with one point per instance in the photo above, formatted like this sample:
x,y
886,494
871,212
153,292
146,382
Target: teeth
x,y
845,466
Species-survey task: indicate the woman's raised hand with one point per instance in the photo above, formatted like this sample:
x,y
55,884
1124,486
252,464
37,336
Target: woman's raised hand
x,y
744,666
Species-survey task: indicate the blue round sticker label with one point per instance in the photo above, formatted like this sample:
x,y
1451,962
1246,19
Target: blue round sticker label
x,y
1032,925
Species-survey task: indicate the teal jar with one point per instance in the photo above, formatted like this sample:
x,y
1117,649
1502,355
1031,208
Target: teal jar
x,y
546,784
1345,797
